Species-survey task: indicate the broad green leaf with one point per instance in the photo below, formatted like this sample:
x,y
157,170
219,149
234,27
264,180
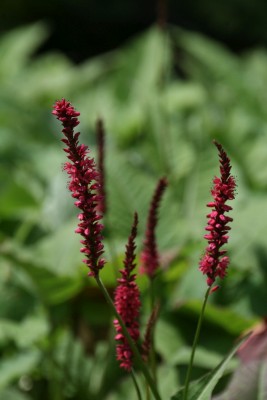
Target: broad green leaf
x,y
202,389
17,365
83,376
225,318
167,384
17,46
60,251
153,60
26,333
203,358
13,394
47,76
247,383
168,340
71,365
16,199
183,96
212,54
54,288
49,286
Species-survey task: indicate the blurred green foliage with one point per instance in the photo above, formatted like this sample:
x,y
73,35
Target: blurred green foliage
x,y
163,96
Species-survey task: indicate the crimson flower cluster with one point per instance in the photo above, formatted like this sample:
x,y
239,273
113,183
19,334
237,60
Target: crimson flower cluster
x,y
149,259
127,303
84,185
215,261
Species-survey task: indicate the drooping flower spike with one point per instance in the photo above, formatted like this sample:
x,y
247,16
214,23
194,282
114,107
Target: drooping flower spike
x,y
127,303
84,185
149,259
214,263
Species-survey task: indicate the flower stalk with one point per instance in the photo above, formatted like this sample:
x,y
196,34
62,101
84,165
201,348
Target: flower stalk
x,y
215,261
194,346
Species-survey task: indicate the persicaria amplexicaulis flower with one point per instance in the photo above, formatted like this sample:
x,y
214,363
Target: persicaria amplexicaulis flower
x,y
84,185
127,303
215,261
149,259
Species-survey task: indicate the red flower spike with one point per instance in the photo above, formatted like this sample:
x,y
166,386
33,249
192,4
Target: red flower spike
x,y
214,263
149,258
100,132
127,303
84,185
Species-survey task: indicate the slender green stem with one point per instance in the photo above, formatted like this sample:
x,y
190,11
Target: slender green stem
x,y
132,345
139,396
190,366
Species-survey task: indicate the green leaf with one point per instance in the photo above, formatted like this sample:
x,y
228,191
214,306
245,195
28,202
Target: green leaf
x,y
29,331
17,46
13,394
53,288
72,365
247,383
202,388
229,320
167,384
183,96
167,340
78,374
203,358
48,285
17,365
60,251
16,200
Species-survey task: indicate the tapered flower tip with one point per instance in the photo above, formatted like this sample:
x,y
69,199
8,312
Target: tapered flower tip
x,y
64,106
66,113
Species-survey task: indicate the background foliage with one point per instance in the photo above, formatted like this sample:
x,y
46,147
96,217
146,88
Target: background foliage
x,y
164,96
